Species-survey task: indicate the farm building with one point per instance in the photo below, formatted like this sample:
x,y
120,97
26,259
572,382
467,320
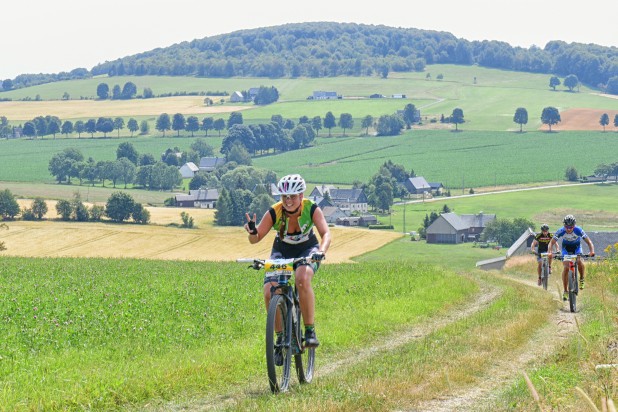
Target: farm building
x,y
208,164
451,228
436,188
237,97
320,95
417,185
332,214
188,170
202,198
348,200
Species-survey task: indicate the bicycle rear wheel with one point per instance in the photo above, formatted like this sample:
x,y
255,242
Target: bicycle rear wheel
x,y
573,288
305,359
278,357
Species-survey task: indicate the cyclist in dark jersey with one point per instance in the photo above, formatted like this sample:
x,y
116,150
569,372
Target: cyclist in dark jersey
x,y
540,244
293,218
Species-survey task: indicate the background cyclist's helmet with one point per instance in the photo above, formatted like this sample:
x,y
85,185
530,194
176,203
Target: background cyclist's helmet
x,y
291,185
569,220
544,227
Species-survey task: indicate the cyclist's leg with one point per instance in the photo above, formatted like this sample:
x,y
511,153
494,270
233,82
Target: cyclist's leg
x,y
304,275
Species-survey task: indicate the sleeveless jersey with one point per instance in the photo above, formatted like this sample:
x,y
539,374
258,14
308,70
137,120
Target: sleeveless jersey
x,y
305,221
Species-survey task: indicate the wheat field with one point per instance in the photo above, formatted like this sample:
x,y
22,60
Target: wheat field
x,y
163,239
83,109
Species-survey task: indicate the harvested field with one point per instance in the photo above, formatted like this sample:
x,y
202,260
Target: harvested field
x,y
53,238
583,119
80,109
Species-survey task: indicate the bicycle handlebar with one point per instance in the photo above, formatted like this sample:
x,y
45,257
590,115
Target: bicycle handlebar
x,y
258,264
581,255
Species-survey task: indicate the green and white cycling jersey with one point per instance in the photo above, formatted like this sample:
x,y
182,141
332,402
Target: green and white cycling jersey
x,y
305,221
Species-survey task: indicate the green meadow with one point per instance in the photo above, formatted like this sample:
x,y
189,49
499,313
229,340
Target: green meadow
x,y
405,325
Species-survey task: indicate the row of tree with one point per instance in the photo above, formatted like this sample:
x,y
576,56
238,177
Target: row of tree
x,y
120,206
147,173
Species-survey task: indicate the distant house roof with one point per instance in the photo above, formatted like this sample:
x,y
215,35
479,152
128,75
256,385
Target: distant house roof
x,y
455,221
199,195
435,185
417,184
237,97
348,195
189,169
318,94
209,164
479,220
319,190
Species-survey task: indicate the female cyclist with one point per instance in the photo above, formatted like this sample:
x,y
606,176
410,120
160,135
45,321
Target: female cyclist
x,y
294,218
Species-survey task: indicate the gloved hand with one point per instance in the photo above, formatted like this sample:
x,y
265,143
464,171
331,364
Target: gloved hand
x,y
592,254
318,256
251,225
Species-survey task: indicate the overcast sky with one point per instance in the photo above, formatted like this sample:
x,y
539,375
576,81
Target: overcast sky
x,y
49,36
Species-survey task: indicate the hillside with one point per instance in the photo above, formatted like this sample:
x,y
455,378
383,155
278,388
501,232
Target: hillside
x,y
326,49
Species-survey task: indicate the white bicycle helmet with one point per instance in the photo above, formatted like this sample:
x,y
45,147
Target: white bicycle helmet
x,y
291,185
569,220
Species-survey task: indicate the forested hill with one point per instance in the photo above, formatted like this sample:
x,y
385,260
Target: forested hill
x,y
322,49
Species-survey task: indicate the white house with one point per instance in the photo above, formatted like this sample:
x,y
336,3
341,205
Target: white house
x,y
188,170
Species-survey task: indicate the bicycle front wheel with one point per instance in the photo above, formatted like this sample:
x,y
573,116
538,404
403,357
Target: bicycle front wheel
x,y
278,354
573,289
304,359
545,275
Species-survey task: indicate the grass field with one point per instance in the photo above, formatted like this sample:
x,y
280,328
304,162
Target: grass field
x,y
101,316
487,105
465,159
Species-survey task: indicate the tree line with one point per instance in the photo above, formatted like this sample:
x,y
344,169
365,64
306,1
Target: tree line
x,y
326,49
119,207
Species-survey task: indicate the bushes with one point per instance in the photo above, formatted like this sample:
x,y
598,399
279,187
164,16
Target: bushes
x,y
381,227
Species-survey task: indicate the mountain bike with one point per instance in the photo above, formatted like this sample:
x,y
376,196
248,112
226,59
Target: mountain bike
x,y
544,268
572,276
284,317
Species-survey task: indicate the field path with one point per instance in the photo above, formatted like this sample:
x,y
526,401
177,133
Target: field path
x,y
561,325
486,296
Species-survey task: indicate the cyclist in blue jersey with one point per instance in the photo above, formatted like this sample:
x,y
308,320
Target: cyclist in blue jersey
x,y
571,245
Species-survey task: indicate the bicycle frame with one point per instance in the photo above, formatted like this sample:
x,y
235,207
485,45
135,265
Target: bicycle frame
x,y
544,269
284,307
572,277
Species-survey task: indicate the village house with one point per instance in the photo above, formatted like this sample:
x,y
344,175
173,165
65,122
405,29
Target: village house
x,y
201,198
348,200
417,185
208,164
451,228
188,170
320,95
237,97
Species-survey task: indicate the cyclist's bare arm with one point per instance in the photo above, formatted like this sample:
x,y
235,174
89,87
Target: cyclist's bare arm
x,y
590,245
552,246
322,227
261,230
533,246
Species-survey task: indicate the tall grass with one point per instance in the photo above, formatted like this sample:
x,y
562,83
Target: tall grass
x,y
103,333
558,376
